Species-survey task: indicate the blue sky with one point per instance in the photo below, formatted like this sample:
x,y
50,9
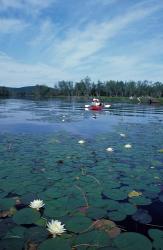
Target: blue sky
x,y
42,42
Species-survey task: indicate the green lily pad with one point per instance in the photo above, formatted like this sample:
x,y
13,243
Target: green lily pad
x,y
127,208
140,200
36,234
16,232
112,205
132,241
142,216
6,203
26,216
116,194
95,237
57,243
78,224
157,237
96,213
10,244
117,215
55,212
41,222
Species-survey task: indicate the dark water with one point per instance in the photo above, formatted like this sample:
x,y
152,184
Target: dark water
x,y
41,158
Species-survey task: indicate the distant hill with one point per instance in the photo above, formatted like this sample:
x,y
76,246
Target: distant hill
x,y
29,91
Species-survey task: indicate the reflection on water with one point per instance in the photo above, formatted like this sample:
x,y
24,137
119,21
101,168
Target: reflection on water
x,y
70,115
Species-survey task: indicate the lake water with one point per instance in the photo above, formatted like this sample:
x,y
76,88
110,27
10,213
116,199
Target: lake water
x,y
81,183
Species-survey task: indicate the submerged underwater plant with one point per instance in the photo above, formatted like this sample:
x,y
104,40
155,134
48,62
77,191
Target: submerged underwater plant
x,y
36,204
55,228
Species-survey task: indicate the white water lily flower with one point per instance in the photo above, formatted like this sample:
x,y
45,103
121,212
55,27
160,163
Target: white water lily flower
x,y
109,149
55,228
36,204
81,141
123,135
128,146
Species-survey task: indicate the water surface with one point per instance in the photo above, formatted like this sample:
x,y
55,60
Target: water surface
x,y
41,158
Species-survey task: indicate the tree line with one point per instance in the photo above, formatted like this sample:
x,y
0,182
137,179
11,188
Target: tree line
x,y
86,87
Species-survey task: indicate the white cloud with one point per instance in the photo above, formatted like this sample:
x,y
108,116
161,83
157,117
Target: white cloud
x,y
79,45
46,34
27,6
11,25
102,2
14,73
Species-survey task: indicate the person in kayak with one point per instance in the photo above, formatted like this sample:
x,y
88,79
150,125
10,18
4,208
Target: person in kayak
x,y
96,102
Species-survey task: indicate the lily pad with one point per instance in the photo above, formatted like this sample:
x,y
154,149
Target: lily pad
x,y
78,224
55,212
11,244
132,241
98,238
16,232
157,237
96,213
58,243
127,208
117,215
142,216
108,226
6,203
36,234
26,216
116,194
140,200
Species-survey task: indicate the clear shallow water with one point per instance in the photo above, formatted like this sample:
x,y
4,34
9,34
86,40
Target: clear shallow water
x,y
40,157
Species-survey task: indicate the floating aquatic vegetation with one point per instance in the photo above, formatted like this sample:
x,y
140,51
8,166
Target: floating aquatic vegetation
x,y
128,146
79,185
26,216
134,194
94,240
140,200
157,236
6,203
110,149
96,213
36,234
52,244
122,135
55,228
8,213
132,241
36,204
142,216
81,141
116,194
78,224
13,243
117,215
108,226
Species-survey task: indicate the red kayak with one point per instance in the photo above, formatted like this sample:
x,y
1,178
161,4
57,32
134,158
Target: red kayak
x,y
96,107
